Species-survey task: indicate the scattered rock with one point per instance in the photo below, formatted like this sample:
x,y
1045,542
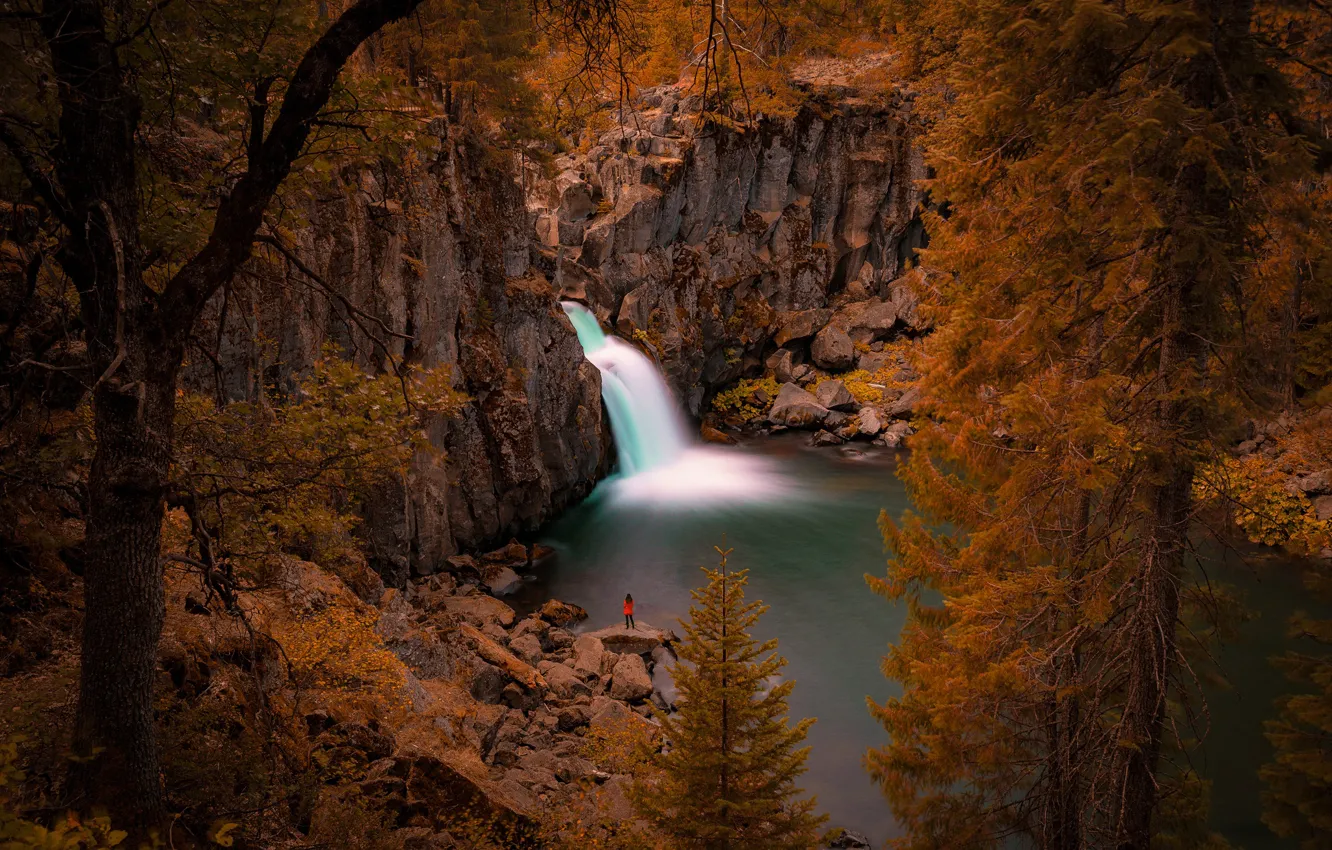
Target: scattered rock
x,y
826,438
563,681
712,435
629,679
796,408
1323,508
905,406
559,613
834,395
479,610
833,350
782,363
513,554
541,555
532,625
519,670
588,655
871,421
502,580
527,647
800,324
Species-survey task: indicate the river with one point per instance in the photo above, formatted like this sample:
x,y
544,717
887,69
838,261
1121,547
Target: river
x,y
807,531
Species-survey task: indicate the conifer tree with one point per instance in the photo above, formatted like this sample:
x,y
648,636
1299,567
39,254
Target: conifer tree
x,y
1102,171
727,780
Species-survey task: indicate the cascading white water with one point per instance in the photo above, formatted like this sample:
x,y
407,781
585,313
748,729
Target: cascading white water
x,y
658,461
649,431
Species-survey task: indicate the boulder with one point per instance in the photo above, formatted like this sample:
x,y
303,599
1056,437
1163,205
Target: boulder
x,y
479,610
1323,508
1314,483
488,682
823,439
563,681
502,580
588,654
534,626
527,647
629,679
833,350
559,613
796,408
871,421
712,435
517,669
905,406
834,395
514,554
800,324
866,320
608,714
782,363
637,641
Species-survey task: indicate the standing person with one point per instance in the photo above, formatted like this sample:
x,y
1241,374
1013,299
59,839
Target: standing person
x,y
629,612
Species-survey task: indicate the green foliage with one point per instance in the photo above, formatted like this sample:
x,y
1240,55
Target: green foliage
x,y
741,400
258,479
728,777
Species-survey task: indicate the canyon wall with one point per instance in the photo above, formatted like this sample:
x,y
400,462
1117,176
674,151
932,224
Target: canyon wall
x,y
430,261
699,246
702,244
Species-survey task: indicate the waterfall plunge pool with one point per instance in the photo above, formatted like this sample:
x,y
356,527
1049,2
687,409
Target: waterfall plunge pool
x,y
805,523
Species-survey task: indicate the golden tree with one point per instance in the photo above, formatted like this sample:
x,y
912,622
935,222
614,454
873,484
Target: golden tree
x,y
727,779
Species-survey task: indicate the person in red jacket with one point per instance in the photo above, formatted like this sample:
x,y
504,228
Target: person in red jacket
x,y
629,612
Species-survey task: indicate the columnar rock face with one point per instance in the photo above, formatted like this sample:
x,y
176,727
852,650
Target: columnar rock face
x,y
707,246
435,262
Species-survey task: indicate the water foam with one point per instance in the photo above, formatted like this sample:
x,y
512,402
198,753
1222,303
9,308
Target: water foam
x,y
659,464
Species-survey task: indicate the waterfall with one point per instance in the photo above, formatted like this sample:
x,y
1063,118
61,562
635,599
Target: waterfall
x,y
658,461
649,431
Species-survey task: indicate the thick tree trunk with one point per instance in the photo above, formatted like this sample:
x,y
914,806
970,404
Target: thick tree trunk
x,y
123,599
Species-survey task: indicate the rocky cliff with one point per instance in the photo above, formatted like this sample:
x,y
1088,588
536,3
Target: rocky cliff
x,y
700,243
429,262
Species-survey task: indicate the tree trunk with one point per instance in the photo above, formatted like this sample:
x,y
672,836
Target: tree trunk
x,y
123,599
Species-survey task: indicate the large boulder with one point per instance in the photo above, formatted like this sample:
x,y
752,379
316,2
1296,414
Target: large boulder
x,y
834,395
637,641
563,681
588,652
630,679
905,406
871,421
559,613
527,647
833,350
479,610
800,324
796,408
865,321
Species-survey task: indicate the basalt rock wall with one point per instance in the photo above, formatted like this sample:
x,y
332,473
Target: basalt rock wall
x,y
430,262
702,243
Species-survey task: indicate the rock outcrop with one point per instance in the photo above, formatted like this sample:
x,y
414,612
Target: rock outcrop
x,y
431,265
710,246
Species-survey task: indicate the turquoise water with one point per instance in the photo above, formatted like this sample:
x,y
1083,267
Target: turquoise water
x,y
808,548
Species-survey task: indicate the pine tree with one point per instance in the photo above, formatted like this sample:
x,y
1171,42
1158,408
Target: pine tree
x,y
727,781
1101,171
